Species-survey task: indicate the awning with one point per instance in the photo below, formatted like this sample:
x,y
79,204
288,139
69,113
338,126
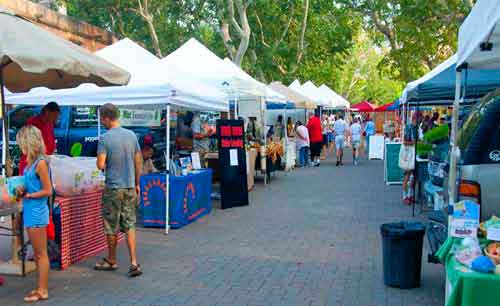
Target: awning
x,y
363,107
33,57
479,36
439,84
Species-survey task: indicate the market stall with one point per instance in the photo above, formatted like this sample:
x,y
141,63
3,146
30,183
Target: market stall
x,y
247,96
32,57
144,93
465,286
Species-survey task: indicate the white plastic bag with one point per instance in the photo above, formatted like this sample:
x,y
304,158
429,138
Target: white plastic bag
x,y
72,176
407,157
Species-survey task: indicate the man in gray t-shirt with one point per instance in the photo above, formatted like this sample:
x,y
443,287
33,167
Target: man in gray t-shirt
x,y
118,153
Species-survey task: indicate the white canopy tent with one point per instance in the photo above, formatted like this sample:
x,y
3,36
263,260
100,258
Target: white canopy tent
x,y
310,90
145,69
269,93
478,48
479,36
146,90
338,102
195,61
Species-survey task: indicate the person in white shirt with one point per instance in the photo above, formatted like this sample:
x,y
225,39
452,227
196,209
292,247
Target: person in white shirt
x,y
303,144
339,130
356,131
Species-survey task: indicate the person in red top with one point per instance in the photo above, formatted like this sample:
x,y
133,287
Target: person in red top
x,y
316,137
45,122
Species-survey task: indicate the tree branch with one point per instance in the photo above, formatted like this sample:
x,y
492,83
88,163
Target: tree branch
x,y
261,29
300,53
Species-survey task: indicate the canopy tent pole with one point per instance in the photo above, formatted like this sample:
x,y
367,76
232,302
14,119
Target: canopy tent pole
x,y
263,158
3,119
167,173
98,123
452,183
236,105
285,126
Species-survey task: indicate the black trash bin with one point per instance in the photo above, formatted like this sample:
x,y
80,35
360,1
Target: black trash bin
x,y
402,253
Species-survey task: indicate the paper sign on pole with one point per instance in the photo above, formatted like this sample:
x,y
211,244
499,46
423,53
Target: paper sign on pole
x,y
195,159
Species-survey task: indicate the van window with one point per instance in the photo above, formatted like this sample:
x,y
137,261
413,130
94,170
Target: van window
x,y
481,132
84,116
19,117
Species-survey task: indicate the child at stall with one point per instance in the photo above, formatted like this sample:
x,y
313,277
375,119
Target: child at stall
x,y
147,161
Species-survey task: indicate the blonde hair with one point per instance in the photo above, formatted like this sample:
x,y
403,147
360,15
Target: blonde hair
x,y
30,141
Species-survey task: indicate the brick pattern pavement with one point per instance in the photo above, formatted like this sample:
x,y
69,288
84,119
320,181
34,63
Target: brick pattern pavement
x,y
311,238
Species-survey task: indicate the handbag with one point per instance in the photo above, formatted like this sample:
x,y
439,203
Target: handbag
x,y
407,157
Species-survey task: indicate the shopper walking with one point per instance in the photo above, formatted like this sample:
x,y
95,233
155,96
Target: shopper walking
x,y
303,144
119,154
340,130
35,193
369,131
355,131
315,138
325,129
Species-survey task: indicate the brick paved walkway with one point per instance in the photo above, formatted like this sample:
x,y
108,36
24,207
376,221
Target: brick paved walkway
x,y
310,238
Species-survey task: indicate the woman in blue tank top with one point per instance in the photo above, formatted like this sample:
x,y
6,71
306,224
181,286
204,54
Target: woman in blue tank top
x,y
37,189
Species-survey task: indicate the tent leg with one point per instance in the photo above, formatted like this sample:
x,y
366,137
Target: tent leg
x,y
5,128
98,123
263,159
452,183
167,176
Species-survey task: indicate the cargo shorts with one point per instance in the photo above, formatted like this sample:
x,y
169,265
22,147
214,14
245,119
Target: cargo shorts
x,y
119,210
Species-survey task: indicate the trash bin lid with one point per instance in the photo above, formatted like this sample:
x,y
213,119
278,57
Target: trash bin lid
x,y
403,229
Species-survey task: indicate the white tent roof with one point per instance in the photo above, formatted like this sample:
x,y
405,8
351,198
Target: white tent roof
x,y
310,90
337,100
270,94
149,86
146,69
196,61
130,95
482,25
295,85
135,59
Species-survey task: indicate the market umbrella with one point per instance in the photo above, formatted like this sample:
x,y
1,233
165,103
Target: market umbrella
x,y
363,107
389,107
33,57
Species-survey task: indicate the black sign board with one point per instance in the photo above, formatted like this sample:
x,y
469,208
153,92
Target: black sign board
x,y
232,163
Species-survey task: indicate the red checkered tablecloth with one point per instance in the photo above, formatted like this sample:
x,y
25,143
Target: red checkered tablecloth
x,y
82,234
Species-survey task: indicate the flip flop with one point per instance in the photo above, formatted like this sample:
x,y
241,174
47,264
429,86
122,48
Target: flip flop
x,y
34,297
105,265
134,271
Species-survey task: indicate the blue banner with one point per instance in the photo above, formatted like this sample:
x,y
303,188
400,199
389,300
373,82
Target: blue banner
x,y
189,198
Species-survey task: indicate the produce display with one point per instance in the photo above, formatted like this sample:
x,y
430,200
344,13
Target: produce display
x,y
273,150
75,175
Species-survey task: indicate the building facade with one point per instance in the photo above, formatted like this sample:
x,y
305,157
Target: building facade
x,y
81,33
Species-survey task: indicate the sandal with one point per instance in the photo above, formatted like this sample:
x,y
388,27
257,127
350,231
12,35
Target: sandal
x,y
106,265
35,296
134,271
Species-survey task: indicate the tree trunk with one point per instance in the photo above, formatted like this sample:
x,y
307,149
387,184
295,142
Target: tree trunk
x,y
144,12
245,31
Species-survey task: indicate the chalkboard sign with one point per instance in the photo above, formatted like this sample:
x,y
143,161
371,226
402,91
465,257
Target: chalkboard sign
x,y
393,174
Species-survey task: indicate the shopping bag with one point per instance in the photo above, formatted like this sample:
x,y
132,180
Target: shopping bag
x,y
407,157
